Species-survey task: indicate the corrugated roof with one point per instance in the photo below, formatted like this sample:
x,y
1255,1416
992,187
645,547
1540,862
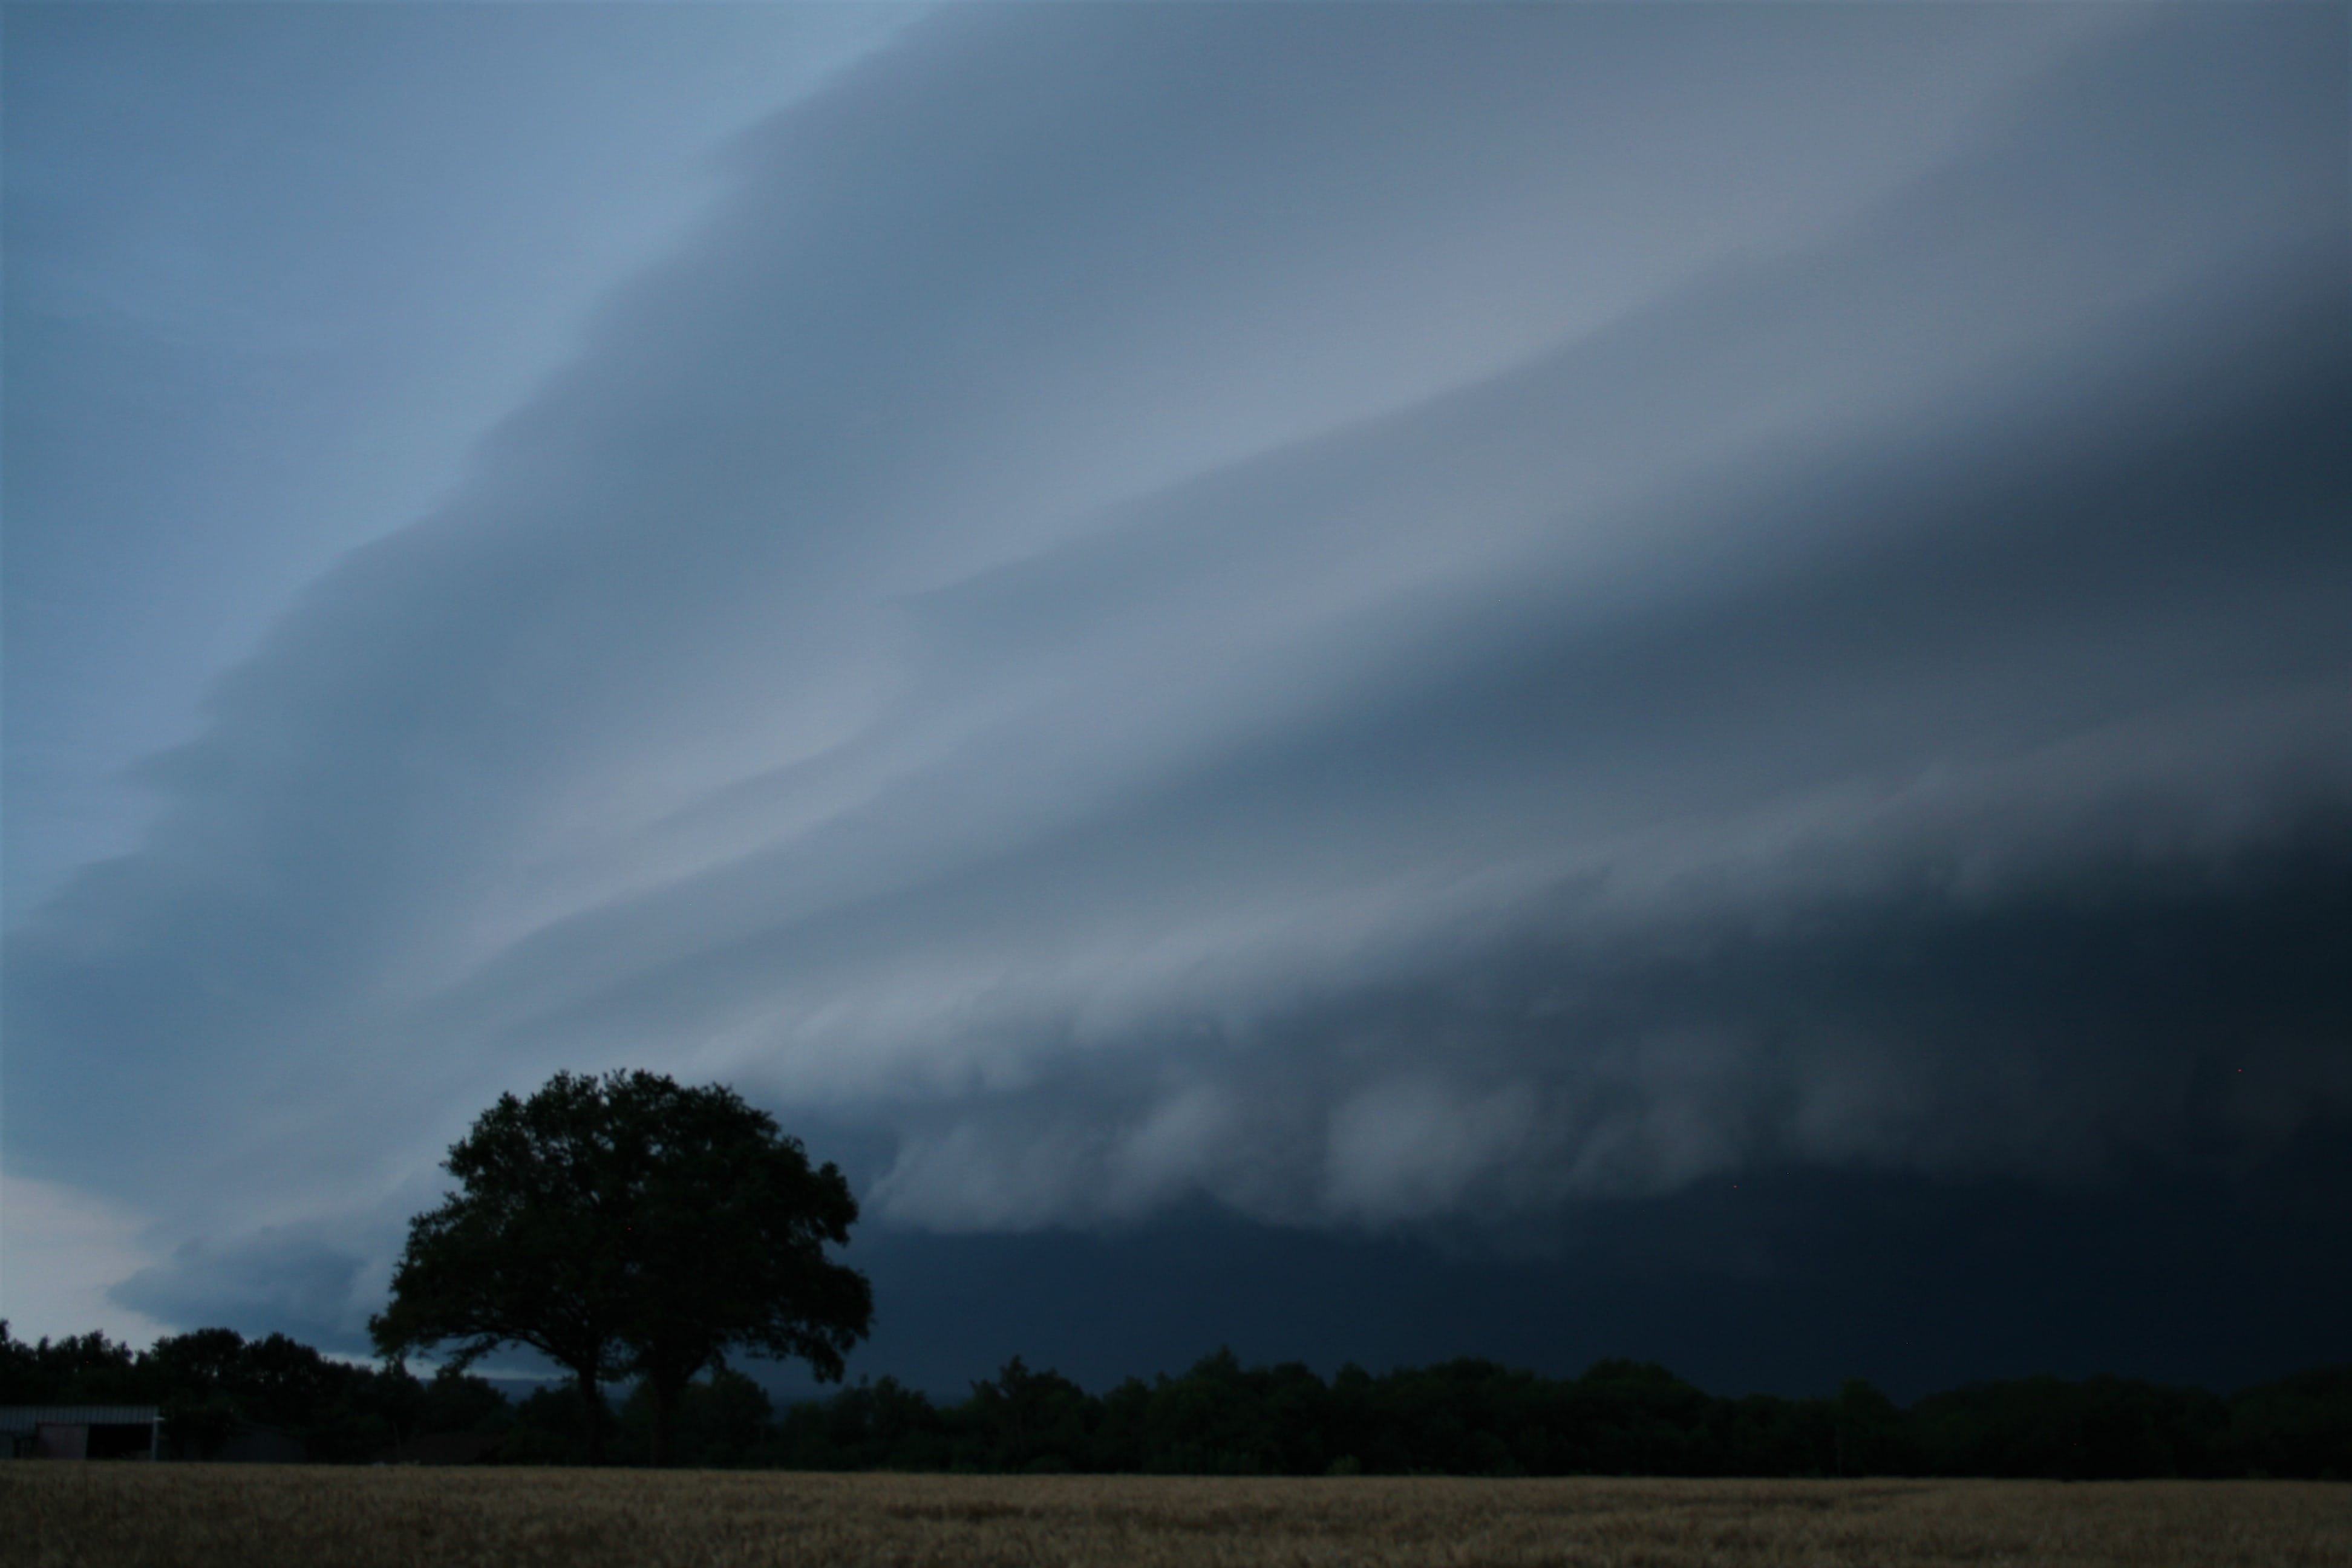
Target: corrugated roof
x,y
25,1418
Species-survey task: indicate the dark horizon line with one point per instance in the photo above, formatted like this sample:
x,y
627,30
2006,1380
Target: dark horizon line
x,y
511,1383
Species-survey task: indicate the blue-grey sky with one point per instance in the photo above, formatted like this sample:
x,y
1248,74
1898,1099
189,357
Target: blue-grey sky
x,y
1395,627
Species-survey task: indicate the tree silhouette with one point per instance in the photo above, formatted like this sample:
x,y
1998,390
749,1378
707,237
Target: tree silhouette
x,y
726,1242
627,1225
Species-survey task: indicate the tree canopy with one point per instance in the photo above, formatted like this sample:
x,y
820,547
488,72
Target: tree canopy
x,y
627,1225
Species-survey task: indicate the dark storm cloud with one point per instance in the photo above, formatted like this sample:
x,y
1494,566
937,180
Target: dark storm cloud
x,y
2061,1031
1361,614
299,1285
1788,1280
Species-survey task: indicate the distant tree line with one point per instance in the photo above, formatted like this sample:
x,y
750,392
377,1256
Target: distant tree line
x,y
1465,1417
1475,1417
213,1382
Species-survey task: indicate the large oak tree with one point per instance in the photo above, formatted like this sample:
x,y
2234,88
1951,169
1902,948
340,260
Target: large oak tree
x,y
625,1226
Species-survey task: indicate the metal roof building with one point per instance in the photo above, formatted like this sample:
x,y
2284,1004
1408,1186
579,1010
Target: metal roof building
x,y
81,1431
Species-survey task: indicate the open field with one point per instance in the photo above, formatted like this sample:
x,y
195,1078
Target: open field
x,y
127,1516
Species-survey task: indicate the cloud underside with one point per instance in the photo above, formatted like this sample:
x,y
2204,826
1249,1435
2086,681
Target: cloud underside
x,y
1159,610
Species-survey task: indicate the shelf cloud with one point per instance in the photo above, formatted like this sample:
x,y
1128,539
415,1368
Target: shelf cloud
x,y
1385,619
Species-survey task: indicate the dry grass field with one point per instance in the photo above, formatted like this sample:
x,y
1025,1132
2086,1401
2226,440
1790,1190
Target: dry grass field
x,y
131,1516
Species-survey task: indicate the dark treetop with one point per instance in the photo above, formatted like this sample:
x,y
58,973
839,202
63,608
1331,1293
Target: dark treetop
x,y
625,1226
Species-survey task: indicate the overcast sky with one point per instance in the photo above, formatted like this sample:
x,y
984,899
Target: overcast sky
x,y
1369,640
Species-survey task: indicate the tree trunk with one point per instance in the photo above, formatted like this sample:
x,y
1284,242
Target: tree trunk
x,y
665,1404
592,1412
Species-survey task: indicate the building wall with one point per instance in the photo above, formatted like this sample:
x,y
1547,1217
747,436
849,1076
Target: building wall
x,y
61,1441
79,1432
